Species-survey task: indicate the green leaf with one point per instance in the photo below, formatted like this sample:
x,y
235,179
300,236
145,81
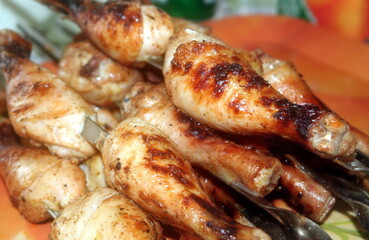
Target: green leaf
x,y
343,233
295,8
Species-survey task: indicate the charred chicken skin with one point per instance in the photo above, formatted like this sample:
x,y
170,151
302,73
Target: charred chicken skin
x,y
141,162
200,144
222,87
283,76
125,30
42,107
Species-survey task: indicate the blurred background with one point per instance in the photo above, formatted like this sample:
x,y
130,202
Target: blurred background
x,y
349,18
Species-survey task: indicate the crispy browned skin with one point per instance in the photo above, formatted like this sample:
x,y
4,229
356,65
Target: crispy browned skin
x,y
283,76
98,78
38,181
222,87
308,196
125,30
42,107
141,162
104,214
201,145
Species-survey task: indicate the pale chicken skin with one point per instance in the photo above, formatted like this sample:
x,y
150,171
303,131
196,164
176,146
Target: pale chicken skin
x,y
104,214
283,76
98,78
42,107
221,86
38,181
94,171
200,144
141,162
125,30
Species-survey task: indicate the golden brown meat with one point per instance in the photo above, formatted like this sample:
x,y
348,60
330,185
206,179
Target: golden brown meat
x,y
283,76
199,144
141,162
221,86
98,78
42,107
104,214
38,181
125,30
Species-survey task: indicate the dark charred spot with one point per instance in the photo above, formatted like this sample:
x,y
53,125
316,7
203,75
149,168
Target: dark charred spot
x,y
256,81
194,128
221,72
206,204
154,154
126,170
126,12
118,166
23,199
175,172
17,47
223,231
282,102
303,116
91,66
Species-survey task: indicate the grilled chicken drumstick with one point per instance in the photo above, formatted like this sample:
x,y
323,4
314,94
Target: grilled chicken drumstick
x,y
42,107
98,78
38,181
125,30
221,86
104,214
141,162
283,76
199,144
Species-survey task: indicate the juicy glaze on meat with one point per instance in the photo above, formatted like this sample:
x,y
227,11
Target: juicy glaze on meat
x,y
141,162
222,87
200,144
